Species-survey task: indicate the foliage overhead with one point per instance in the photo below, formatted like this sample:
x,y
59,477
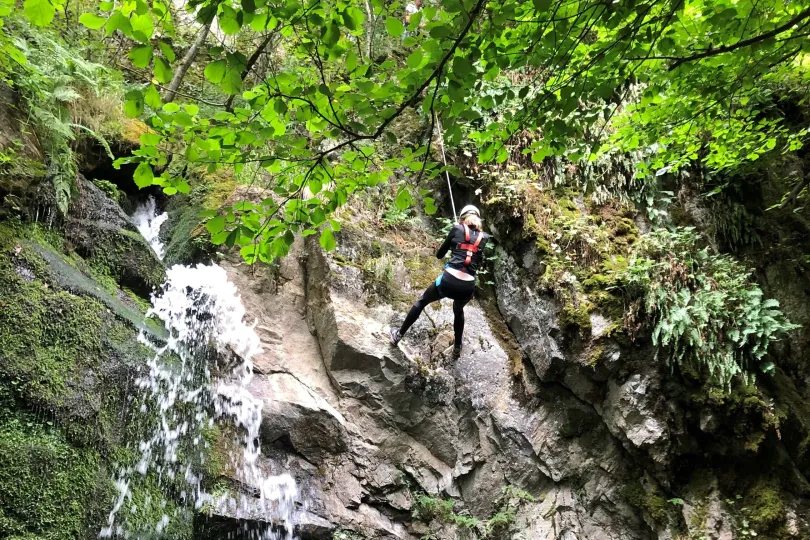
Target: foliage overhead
x,y
682,82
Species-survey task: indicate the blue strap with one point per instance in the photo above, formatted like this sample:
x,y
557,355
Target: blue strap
x,y
439,279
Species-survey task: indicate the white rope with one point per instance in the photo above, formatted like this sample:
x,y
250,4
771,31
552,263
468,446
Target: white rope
x,y
444,159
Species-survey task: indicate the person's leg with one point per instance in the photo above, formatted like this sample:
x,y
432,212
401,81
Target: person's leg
x,y
431,294
458,320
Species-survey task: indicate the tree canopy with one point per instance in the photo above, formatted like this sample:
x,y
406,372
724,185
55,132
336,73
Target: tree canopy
x,y
304,94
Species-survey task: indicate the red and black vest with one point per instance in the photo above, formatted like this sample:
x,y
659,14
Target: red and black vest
x,y
467,248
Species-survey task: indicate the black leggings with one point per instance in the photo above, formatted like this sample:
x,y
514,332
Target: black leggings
x,y
448,286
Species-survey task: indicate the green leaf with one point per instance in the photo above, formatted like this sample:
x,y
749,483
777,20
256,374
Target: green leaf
x,y
133,106
215,71
430,206
182,119
143,175
163,73
215,225
141,55
327,240
335,225
403,200
440,32
229,25
93,22
542,5
167,51
142,27
331,35
461,67
394,26
152,97
118,21
232,82
415,59
39,12
351,62
150,139
233,236
220,237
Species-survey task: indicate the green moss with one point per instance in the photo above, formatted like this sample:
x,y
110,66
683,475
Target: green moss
x,y
48,487
577,315
186,238
766,509
120,254
67,365
651,503
110,189
595,356
422,271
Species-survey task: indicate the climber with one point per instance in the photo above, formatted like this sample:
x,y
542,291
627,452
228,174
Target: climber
x,y
467,241
411,9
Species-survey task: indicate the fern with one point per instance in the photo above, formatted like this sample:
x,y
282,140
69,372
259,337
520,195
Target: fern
x,y
98,137
704,308
53,82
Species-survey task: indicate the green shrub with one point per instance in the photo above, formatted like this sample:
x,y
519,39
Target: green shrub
x,y
704,308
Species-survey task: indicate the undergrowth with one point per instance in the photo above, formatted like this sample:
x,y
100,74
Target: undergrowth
x,y
65,100
704,309
427,508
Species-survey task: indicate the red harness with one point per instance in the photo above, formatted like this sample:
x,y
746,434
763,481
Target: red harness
x,y
471,248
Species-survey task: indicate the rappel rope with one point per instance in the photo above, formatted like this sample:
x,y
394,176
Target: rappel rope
x,y
444,159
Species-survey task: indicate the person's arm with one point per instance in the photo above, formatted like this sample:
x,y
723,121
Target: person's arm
x,y
447,243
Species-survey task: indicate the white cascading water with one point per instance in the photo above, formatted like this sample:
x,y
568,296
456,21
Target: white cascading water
x,y
149,221
205,318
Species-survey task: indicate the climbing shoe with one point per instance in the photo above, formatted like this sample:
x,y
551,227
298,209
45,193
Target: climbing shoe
x,y
395,336
456,352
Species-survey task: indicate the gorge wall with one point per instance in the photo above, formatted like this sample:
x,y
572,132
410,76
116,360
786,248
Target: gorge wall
x,y
550,425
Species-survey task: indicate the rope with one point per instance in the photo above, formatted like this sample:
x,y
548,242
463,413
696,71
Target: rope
x,y
444,159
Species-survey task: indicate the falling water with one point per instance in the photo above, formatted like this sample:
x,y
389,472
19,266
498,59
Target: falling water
x,y
149,222
195,381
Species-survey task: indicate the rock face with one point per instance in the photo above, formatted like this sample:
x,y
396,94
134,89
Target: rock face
x,y
409,443
375,434
103,234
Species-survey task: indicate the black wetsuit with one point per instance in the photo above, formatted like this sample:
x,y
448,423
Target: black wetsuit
x,y
449,286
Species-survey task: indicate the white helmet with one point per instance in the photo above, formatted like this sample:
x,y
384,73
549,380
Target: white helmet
x,y
469,209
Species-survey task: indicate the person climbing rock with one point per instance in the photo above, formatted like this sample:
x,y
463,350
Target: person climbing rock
x,y
466,240
411,9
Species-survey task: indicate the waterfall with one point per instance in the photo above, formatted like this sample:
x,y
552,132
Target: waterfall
x,y
195,383
149,222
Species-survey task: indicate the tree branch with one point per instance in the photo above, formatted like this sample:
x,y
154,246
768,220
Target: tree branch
x,y
744,43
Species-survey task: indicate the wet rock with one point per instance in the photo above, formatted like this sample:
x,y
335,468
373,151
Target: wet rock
x,y
293,410
101,232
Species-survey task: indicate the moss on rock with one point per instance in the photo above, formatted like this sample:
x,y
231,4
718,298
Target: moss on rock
x,y
651,503
68,355
49,488
766,508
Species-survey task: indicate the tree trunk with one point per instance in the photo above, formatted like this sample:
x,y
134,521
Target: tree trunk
x,y
188,59
370,40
